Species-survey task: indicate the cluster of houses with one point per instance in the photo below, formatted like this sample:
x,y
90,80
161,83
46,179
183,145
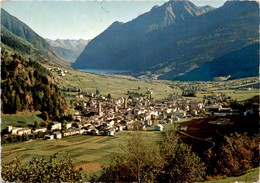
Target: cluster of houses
x,y
24,131
106,116
58,70
111,115
85,94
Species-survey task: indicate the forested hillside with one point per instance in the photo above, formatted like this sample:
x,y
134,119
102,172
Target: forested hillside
x,y
27,85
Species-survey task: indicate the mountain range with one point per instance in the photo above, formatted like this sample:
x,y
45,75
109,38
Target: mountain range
x,y
176,38
68,49
18,37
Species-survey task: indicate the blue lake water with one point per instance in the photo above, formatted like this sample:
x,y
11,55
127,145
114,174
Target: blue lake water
x,y
101,71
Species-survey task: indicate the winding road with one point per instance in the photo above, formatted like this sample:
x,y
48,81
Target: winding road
x,y
213,143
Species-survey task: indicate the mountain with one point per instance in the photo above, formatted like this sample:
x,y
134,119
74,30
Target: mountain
x,y
192,38
119,37
240,63
206,8
18,37
68,50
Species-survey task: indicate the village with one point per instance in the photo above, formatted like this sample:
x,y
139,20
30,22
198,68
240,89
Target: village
x,y
107,116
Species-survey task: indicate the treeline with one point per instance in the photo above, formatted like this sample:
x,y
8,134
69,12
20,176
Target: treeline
x,y
132,94
189,93
26,85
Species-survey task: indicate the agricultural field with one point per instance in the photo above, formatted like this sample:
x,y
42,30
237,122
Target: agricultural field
x,y
119,85
21,119
89,152
116,85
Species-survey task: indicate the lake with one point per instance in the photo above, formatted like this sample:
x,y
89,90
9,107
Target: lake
x,y
102,71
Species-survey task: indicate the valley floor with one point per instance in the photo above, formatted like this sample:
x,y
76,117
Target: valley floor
x,y
119,85
94,152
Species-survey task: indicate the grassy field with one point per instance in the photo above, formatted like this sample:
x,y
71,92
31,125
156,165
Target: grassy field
x,y
88,152
118,85
21,119
249,176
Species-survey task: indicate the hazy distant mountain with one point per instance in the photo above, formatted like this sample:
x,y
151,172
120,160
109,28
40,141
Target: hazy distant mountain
x,y
174,39
67,49
17,36
206,8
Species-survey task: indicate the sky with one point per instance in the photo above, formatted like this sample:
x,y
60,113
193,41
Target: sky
x,y
81,19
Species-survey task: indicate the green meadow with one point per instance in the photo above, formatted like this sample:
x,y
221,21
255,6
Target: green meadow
x,y
249,176
116,85
89,152
21,119
119,85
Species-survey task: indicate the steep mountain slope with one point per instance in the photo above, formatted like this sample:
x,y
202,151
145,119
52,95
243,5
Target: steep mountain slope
x,y
237,64
229,28
69,50
109,48
178,48
26,85
17,36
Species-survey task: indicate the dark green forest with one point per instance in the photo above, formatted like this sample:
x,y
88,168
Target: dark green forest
x,y
27,85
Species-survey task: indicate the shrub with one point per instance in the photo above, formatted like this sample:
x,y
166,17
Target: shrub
x,y
181,164
41,170
239,153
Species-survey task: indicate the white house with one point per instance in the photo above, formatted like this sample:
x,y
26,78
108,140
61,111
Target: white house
x,y
110,123
49,137
119,127
14,130
39,130
57,135
158,128
24,131
110,132
68,125
176,118
56,126
9,128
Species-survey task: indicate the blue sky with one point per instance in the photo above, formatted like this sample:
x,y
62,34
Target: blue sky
x,y
81,19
